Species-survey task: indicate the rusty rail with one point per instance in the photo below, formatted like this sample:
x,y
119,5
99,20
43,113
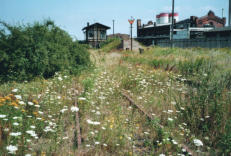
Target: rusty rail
x,y
77,126
150,117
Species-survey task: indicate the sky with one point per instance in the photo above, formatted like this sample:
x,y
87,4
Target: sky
x,y
73,15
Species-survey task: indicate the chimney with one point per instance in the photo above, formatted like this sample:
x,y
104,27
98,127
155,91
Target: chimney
x,y
87,32
229,13
138,23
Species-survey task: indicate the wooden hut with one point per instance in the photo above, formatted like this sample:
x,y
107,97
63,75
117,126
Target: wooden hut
x,y
95,34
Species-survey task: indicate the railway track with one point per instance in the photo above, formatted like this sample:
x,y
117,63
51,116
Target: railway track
x,y
150,117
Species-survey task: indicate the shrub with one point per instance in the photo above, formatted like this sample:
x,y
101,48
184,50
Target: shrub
x,y
40,49
110,44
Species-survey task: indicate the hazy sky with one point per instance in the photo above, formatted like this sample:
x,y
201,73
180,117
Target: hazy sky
x,y
72,15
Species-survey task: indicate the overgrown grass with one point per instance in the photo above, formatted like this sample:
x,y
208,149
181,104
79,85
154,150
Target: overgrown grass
x,y
110,44
204,102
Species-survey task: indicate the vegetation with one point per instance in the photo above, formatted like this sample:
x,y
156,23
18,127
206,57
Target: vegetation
x,y
203,101
38,50
110,44
182,106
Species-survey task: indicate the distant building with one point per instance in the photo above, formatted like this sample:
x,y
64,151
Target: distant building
x,y
121,36
95,34
193,27
211,20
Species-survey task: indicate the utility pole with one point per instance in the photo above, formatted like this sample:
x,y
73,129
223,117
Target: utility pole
x,y
113,27
172,26
131,21
222,12
229,13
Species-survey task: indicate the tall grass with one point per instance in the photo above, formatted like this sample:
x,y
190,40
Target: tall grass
x,y
110,44
204,106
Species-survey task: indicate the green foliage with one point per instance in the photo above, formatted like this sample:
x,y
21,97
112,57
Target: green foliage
x,y
225,140
40,49
110,44
191,66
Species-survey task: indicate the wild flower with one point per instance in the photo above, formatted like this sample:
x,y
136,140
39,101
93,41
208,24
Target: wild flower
x,y
15,124
93,122
207,117
184,124
41,113
162,154
82,98
28,155
30,103
97,113
28,140
97,143
140,98
88,145
37,106
173,103
48,129
6,130
63,110
12,149
103,128
21,103
74,109
19,97
197,142
146,133
2,116
32,133
60,78
105,145
64,138
170,119
33,127
15,134
14,90
174,142
170,111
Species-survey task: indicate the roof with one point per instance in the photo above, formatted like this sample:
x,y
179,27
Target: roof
x,y
97,25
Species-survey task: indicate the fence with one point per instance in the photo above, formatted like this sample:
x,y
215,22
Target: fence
x,y
204,43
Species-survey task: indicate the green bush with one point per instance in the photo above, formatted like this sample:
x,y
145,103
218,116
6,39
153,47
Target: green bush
x,y
110,44
40,49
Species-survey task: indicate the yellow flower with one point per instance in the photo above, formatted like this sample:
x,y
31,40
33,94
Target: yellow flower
x,y
43,154
23,110
111,126
7,98
35,102
121,137
35,113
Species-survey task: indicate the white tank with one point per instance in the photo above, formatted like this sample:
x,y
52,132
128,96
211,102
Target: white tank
x,y
176,17
157,19
164,18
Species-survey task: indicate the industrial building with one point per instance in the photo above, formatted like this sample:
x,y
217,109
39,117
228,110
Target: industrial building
x,y
191,28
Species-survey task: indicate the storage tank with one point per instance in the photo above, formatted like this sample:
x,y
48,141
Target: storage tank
x,y
176,17
157,19
164,18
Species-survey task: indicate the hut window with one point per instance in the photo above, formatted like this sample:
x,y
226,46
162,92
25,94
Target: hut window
x,y
103,35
